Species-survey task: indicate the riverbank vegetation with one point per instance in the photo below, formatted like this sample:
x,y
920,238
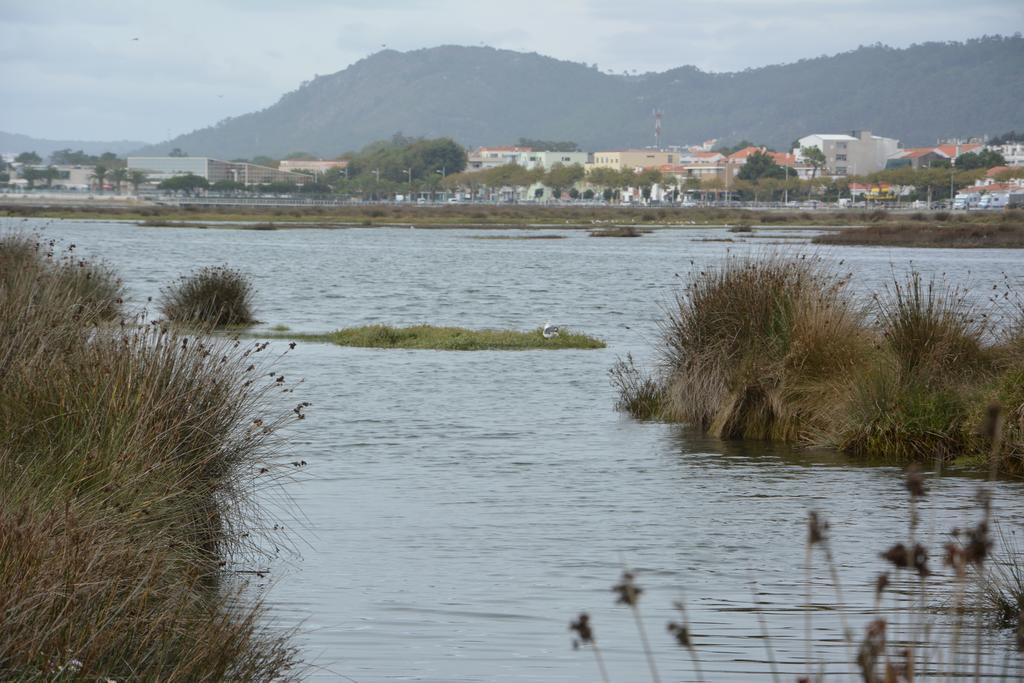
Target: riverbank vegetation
x,y
214,296
779,348
1006,234
127,473
482,215
448,338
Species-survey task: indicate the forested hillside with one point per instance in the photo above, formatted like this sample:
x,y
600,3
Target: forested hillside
x,y
482,95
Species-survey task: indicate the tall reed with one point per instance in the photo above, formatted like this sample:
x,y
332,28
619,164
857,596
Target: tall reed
x,y
128,476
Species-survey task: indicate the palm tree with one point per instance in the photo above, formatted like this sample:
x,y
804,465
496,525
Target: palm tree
x,y
118,176
99,172
136,178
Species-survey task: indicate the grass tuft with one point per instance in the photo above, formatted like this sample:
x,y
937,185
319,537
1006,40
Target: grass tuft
x,y
754,348
214,296
640,395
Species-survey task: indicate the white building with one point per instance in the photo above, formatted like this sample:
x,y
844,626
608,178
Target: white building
x,y
856,154
546,160
214,170
1013,152
484,158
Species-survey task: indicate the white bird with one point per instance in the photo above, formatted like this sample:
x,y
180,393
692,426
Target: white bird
x,y
550,331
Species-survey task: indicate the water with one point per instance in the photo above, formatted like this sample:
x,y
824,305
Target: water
x,y
459,509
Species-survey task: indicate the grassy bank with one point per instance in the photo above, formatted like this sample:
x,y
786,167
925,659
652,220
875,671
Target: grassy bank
x,y
127,472
1006,234
780,349
469,215
446,338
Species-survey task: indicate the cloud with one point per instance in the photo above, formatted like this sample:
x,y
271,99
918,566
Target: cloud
x,y
198,61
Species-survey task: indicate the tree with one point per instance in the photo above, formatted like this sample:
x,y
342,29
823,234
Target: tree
x,y
31,175
99,173
986,158
1007,138
177,152
187,183
50,173
28,158
227,186
118,176
647,179
815,157
561,176
760,165
301,156
66,157
136,178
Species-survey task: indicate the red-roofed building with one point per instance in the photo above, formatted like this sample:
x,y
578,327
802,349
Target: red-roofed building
x,y
917,157
953,151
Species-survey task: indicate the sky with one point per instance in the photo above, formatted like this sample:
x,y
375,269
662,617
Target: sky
x,y
142,70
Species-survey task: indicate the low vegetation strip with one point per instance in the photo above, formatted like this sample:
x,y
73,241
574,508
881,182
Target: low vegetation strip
x,y
447,338
127,471
1005,235
476,215
780,349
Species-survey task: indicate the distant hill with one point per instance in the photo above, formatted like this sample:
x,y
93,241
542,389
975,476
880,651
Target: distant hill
x,y
14,142
483,95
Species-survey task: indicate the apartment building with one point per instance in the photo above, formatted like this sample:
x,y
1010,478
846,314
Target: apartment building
x,y
855,154
636,159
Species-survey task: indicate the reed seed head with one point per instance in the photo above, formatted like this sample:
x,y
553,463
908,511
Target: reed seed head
x,y
581,627
629,593
681,632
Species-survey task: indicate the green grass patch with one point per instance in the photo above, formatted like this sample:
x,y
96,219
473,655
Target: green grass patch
x,y
448,338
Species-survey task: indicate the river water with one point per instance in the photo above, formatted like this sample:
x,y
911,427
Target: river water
x,y
458,509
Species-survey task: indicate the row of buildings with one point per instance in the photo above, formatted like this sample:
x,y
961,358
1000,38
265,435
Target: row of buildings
x,y
856,153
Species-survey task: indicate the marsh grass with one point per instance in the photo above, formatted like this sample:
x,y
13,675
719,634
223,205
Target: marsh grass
x,y
31,267
620,231
131,457
959,235
215,296
1000,585
467,215
756,348
448,338
640,394
778,348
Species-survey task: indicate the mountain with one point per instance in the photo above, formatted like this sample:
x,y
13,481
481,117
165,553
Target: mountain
x,y
17,143
487,96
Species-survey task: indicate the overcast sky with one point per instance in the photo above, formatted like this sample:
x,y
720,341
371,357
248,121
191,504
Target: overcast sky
x,y
73,69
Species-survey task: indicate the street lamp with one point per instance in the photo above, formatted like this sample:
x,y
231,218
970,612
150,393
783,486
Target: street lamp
x,y
408,172
442,171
